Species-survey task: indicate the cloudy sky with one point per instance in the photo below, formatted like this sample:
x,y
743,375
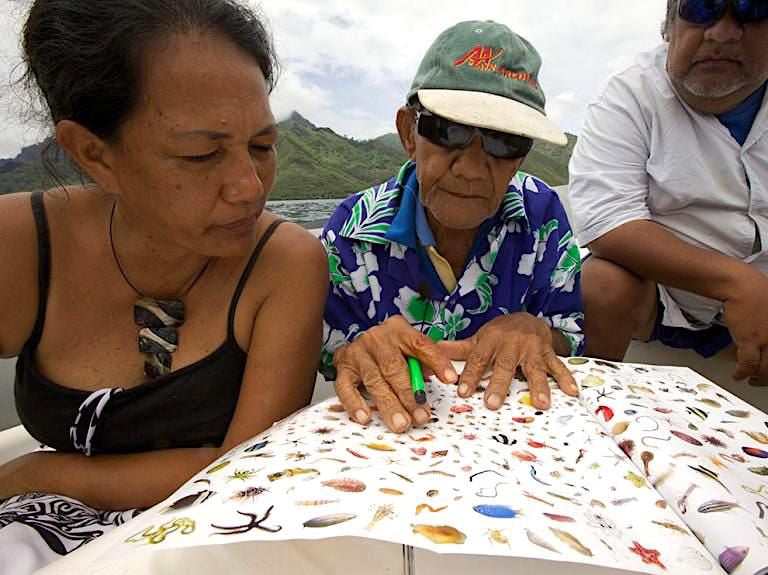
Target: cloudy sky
x,y
347,65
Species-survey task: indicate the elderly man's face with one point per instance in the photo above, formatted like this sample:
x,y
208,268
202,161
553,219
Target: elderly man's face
x,y
460,188
715,67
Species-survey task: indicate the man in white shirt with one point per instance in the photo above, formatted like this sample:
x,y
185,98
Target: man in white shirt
x,y
669,190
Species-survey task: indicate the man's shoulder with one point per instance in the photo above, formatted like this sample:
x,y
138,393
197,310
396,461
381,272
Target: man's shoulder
x,y
643,71
367,215
534,200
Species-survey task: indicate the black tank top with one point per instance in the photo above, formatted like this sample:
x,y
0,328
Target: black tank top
x,y
190,407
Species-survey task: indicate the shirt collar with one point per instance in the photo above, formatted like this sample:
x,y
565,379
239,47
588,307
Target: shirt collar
x,y
410,223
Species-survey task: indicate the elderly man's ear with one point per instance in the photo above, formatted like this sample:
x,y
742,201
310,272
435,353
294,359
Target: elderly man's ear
x,y
406,128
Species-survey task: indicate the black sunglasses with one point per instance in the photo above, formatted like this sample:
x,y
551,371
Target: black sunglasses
x,y
449,134
706,12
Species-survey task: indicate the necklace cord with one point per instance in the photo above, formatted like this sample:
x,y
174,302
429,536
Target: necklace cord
x,y
122,271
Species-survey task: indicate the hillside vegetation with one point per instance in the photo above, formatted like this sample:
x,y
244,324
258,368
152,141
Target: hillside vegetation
x,y
312,162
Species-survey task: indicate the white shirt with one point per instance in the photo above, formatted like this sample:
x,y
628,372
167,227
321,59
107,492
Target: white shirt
x,y
644,154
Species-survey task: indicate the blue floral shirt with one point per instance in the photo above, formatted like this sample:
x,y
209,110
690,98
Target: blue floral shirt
x,y
525,258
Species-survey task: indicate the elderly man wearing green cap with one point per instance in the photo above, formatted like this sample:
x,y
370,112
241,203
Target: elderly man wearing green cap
x,y
460,255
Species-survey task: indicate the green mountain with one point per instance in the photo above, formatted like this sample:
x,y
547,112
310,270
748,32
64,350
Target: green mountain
x,y
312,162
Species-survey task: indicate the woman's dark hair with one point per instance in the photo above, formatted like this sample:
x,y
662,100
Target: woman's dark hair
x,y
87,57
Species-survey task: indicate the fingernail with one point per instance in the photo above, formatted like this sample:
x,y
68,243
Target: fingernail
x,y
361,417
450,376
463,389
494,401
421,416
399,421
543,399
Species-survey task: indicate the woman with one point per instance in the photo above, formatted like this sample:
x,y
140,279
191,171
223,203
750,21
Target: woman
x,y
159,314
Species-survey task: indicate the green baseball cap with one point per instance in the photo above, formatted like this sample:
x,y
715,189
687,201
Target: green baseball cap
x,y
482,74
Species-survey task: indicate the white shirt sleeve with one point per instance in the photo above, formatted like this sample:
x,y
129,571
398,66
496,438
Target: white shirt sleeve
x,y
608,175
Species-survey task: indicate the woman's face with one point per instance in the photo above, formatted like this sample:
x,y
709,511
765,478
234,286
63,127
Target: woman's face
x,y
196,160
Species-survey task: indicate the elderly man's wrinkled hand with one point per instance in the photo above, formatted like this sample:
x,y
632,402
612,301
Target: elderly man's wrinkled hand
x,y
377,360
503,345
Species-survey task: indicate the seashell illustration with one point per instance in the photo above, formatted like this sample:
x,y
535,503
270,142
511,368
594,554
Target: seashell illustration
x,y
536,540
571,541
732,558
685,437
328,520
661,504
419,450
523,419
346,485
740,413
710,402
619,428
630,412
526,400
440,534
755,452
497,511
336,408
597,503
577,360
762,470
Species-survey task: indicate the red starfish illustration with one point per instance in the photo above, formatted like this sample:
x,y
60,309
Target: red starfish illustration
x,y
650,556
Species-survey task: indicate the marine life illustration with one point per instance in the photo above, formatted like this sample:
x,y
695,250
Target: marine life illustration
x,y
461,408
497,536
254,522
710,474
741,414
422,506
537,540
605,411
292,472
619,428
712,440
440,534
379,446
685,437
682,503
649,556
646,457
358,454
571,541
346,485
761,470
539,499
219,466
256,446
698,412
401,476
755,452
535,476
241,475
497,511
758,436
559,518
592,381
672,526
635,479
380,513
710,402
188,501
328,520
249,493
732,558
419,450
390,491
524,455
152,536
315,502
577,360
716,505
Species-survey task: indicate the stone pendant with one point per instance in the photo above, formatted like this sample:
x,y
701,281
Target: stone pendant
x,y
159,320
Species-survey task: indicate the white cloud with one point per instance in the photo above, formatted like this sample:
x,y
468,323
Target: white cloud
x,y
347,65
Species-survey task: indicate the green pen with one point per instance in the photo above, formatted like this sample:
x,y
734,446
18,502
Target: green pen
x,y
417,381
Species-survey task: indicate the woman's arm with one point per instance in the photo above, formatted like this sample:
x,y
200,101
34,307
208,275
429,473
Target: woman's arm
x,y
279,378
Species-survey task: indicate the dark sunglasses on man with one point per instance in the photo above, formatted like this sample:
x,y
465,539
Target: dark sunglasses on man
x,y
707,12
449,134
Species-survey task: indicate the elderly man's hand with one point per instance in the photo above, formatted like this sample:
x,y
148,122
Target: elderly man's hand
x,y
504,344
376,359
744,315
